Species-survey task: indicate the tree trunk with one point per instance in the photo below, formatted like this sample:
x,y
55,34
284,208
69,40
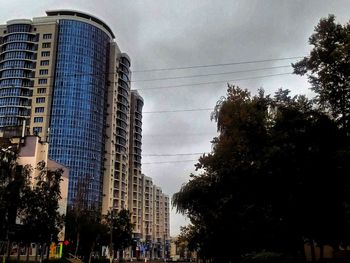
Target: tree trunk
x,y
92,249
48,251
8,248
312,248
36,252
77,244
41,252
321,252
18,252
302,256
27,252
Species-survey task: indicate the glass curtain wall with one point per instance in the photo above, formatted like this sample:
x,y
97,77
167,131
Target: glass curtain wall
x,y
78,109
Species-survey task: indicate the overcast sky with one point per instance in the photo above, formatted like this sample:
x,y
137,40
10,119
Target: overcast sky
x,y
167,34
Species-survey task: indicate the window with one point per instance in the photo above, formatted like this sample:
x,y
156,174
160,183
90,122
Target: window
x,y
38,119
46,45
39,109
47,36
44,62
40,100
43,71
36,130
45,53
41,90
42,81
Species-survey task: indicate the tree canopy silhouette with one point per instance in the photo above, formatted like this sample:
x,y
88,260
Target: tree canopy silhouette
x,y
276,177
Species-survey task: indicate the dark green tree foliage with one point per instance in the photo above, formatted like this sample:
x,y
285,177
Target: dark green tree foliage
x,y
276,177
87,231
78,218
13,182
122,229
39,213
84,228
88,227
328,67
185,241
35,205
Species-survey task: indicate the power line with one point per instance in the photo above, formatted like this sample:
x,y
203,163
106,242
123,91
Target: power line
x,y
218,65
129,114
211,74
183,161
145,80
174,86
171,154
171,111
214,82
179,134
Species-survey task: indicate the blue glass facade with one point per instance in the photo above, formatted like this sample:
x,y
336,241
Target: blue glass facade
x,y
78,107
17,55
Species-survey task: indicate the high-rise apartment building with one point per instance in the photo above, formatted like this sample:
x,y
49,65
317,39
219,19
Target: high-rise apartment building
x,y
116,161
147,211
64,78
161,234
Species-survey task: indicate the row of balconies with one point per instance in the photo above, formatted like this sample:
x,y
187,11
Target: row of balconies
x,y
19,74
28,47
22,37
124,69
4,93
123,85
26,66
123,92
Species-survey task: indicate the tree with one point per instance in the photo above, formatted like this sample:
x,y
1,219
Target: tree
x,y
275,178
78,217
185,241
89,229
35,205
84,227
121,226
39,213
14,181
328,68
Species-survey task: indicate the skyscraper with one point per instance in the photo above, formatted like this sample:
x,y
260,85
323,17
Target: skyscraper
x,y
64,78
57,76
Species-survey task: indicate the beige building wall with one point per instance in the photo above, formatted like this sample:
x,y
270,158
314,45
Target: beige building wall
x,y
43,81
161,222
135,174
116,175
157,220
166,213
147,209
110,184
